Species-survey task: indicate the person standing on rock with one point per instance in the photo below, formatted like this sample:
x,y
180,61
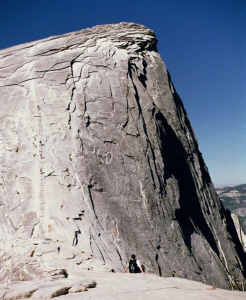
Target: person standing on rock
x,y
75,239
134,265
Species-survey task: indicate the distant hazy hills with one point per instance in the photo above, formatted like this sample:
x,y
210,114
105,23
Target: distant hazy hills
x,y
234,199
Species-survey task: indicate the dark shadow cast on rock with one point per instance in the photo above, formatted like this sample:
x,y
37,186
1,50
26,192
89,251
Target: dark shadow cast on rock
x,y
189,215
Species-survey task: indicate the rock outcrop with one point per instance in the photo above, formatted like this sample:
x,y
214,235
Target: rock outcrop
x,y
239,229
99,161
45,289
234,199
116,287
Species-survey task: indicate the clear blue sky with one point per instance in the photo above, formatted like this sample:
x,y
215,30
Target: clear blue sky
x,y
203,43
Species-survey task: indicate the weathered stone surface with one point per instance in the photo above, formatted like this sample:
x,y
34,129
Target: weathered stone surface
x,y
99,161
119,286
44,289
82,286
239,229
234,198
22,293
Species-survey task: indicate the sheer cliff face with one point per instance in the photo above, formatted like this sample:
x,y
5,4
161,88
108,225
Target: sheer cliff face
x,y
95,138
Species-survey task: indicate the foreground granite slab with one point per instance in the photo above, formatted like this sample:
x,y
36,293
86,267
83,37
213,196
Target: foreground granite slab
x,y
110,286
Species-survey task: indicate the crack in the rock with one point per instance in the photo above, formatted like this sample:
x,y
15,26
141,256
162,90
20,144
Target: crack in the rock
x,y
158,265
73,90
23,81
4,67
98,248
53,70
52,51
144,126
89,187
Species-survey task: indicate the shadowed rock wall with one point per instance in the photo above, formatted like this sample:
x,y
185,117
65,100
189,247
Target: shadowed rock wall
x,y
95,140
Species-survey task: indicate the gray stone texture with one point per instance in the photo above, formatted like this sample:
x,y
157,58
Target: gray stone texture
x,y
117,286
99,158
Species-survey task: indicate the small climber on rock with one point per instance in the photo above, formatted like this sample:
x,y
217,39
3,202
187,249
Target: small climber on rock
x,y
58,246
75,239
135,266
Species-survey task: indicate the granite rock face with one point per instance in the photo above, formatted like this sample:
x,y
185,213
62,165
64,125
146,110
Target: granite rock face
x,y
234,199
239,229
99,161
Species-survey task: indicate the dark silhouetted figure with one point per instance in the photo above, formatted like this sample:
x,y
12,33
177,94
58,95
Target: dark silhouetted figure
x,y
134,265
